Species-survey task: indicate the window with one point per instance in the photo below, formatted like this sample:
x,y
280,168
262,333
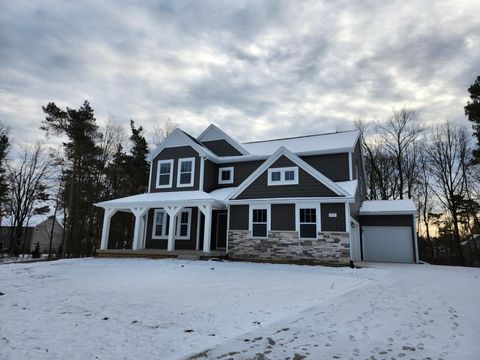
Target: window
x,y
164,173
225,175
308,223
160,224
182,228
283,176
186,170
184,220
259,222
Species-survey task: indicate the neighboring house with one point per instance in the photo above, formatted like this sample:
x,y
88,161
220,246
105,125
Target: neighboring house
x,y
38,231
296,199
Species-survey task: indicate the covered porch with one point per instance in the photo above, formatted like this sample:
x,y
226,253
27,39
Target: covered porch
x,y
170,224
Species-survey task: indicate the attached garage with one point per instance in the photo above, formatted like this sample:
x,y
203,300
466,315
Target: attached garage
x,y
388,232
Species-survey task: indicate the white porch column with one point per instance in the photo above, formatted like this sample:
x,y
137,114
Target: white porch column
x,y
107,216
172,212
207,229
139,224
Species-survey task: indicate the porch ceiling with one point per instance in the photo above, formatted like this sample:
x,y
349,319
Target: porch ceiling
x,y
159,199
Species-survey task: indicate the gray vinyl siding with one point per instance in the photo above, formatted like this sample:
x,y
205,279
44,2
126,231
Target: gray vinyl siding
x,y
189,244
333,166
239,217
307,186
335,223
175,153
221,148
283,217
241,171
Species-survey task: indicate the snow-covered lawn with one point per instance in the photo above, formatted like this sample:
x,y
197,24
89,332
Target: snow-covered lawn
x,y
172,309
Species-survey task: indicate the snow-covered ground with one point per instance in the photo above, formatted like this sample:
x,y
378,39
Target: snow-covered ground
x,y
171,309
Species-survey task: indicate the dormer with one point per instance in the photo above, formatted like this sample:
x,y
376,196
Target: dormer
x,y
220,143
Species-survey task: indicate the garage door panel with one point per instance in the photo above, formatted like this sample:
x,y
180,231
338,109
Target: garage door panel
x,y
387,243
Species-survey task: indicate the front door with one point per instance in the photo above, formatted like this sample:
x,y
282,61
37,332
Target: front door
x,y
221,230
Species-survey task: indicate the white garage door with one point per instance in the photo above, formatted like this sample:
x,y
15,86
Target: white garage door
x,y
387,243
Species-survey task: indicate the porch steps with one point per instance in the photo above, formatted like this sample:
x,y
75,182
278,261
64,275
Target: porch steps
x,y
188,257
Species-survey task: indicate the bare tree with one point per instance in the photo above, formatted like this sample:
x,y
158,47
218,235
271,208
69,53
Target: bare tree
x,y
28,189
161,131
449,153
399,135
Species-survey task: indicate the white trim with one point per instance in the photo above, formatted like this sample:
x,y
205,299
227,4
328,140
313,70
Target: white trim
x,y
219,134
292,200
282,180
350,169
250,220
157,182
178,224
417,259
295,159
307,205
388,213
164,234
202,174
347,216
197,240
192,172
220,170
150,175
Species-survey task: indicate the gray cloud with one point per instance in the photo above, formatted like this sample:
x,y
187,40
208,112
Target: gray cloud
x,y
255,68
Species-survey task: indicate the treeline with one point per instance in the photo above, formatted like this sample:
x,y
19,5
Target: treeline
x,y
93,165
437,166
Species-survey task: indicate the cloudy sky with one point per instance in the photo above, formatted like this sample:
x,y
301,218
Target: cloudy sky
x,y
257,69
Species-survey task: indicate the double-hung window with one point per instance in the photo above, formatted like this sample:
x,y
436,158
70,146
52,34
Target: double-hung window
x,y
160,224
225,175
184,221
259,221
164,173
283,176
308,222
186,171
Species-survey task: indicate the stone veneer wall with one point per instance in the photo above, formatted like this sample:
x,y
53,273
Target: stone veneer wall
x,y
285,246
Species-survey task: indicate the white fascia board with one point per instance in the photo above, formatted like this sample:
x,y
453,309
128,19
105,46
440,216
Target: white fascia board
x,y
292,200
369,213
296,160
219,134
159,204
179,138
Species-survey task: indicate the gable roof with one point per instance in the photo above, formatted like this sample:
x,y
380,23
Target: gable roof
x,y
180,138
338,141
298,161
212,132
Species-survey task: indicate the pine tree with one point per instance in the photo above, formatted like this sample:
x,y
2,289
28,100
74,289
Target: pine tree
x,y
472,110
138,167
4,146
82,153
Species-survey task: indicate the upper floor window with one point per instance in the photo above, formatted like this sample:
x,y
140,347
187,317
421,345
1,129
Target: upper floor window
x,y
283,176
186,170
164,173
225,175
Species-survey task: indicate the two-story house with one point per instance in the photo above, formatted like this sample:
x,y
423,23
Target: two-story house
x,y
298,199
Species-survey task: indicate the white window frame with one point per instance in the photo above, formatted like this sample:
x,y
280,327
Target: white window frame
x,y
221,170
315,206
178,224
164,234
282,171
169,185
250,220
192,178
